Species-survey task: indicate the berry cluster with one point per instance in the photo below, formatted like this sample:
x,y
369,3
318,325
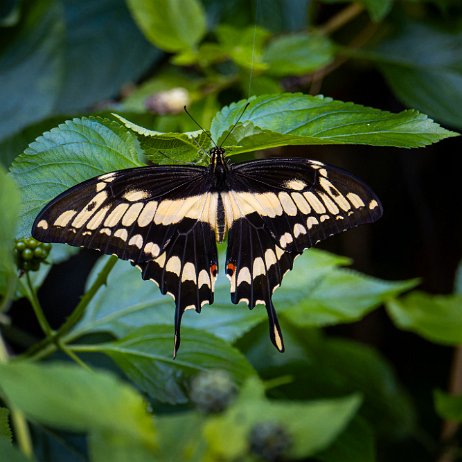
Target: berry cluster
x,y
212,391
269,441
29,253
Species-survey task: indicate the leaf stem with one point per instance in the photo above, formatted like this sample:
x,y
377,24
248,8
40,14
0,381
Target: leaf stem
x,y
74,357
34,301
341,18
21,430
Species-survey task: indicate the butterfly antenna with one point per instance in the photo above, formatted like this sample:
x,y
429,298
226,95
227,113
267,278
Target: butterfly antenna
x,y
199,125
237,121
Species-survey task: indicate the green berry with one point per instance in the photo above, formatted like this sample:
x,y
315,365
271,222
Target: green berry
x,y
25,266
27,254
32,243
212,391
40,253
269,440
46,246
34,265
20,245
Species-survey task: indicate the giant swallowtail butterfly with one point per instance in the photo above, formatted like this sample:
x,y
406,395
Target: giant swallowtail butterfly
x,y
167,219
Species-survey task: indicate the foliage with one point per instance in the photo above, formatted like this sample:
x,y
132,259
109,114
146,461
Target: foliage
x,y
93,87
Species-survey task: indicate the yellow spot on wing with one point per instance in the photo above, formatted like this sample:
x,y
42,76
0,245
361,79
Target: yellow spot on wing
x,y
42,224
136,195
65,218
132,214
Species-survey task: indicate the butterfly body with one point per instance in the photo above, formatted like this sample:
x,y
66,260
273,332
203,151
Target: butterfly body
x,y
167,219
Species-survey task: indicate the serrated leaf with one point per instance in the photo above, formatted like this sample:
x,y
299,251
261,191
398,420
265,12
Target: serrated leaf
x,y
5,430
298,54
127,302
428,75
170,148
9,206
69,154
145,356
341,296
437,318
86,401
10,453
171,25
449,407
317,423
293,118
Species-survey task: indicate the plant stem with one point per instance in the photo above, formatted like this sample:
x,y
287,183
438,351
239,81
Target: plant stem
x,y
74,357
34,301
21,430
341,18
46,347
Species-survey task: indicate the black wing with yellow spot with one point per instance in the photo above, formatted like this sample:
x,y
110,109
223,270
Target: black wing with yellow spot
x,y
162,219
275,209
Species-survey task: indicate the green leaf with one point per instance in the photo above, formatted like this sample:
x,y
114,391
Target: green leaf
x,y
243,45
9,205
292,118
437,318
170,148
127,302
73,152
146,357
317,423
298,54
171,25
341,296
10,453
5,430
347,367
354,444
428,76
32,66
71,398
98,65
378,9
190,447
115,447
449,407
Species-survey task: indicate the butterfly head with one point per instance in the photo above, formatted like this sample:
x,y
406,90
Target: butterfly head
x,y
217,158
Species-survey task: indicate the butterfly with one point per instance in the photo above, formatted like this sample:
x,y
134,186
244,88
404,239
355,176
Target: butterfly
x,y
167,220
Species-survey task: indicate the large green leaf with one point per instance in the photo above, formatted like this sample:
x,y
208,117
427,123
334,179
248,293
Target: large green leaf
x,y
73,152
298,54
57,60
171,25
5,430
31,66
71,398
347,367
99,34
437,318
9,206
128,302
292,118
428,74
145,356
341,296
311,425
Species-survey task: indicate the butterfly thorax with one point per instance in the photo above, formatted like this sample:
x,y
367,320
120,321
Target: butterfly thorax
x,y
218,167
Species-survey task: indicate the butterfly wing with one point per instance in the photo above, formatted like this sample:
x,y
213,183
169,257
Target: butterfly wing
x,y
162,219
275,209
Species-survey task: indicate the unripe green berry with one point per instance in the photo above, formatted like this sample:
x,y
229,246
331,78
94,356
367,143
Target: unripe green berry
x,y
32,243
40,253
20,245
27,254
